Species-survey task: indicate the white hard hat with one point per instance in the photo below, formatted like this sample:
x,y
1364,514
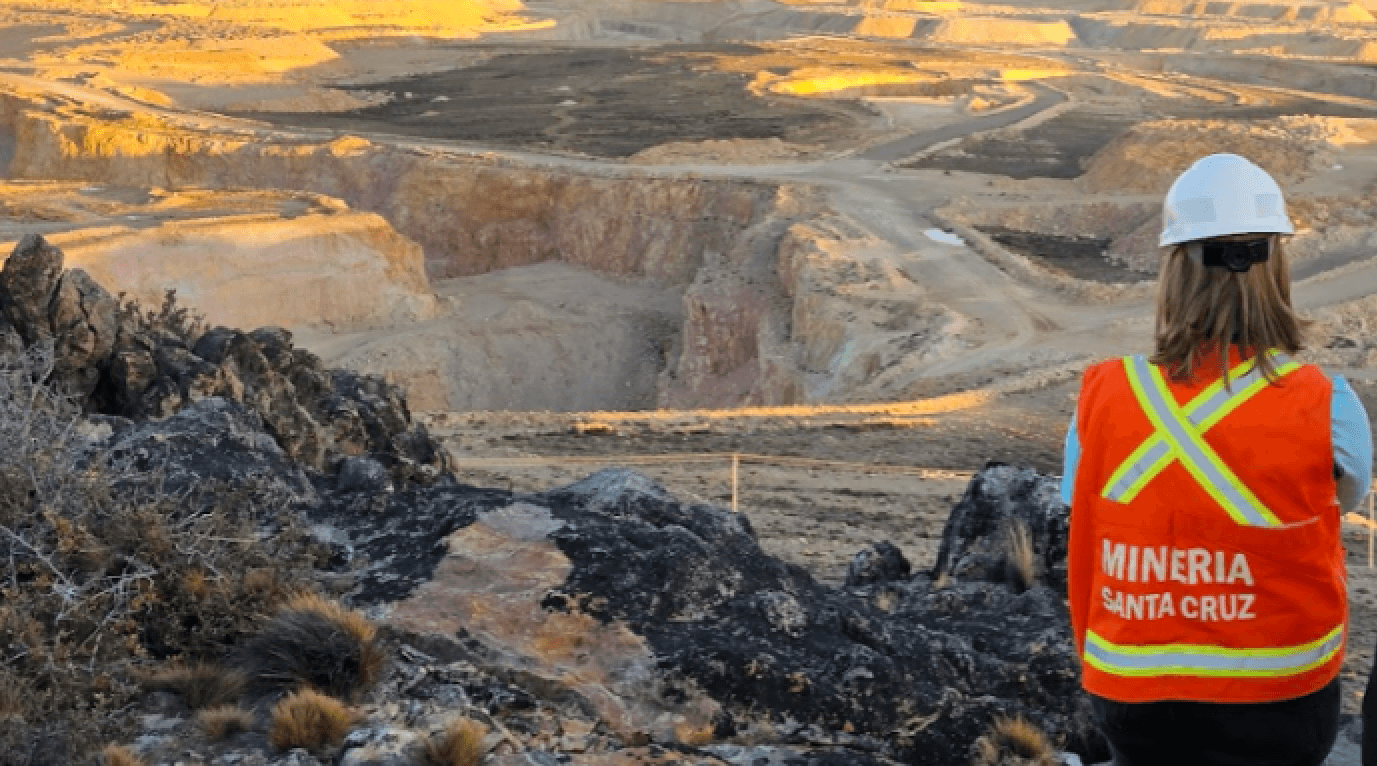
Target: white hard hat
x,y
1219,195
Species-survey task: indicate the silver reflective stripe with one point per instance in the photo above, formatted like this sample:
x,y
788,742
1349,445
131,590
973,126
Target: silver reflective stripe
x,y
1218,399
1157,452
1190,451
1171,661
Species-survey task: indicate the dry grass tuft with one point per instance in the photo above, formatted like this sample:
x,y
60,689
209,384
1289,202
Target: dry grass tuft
x,y
320,643
119,755
461,744
309,719
202,684
224,722
1020,560
1014,742
695,736
11,696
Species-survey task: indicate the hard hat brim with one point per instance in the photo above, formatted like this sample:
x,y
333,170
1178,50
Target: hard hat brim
x,y
1191,232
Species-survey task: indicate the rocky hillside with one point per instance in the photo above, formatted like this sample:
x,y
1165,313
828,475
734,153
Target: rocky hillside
x,y
194,483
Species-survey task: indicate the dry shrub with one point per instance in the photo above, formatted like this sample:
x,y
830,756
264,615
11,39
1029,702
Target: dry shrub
x,y
168,319
224,722
695,736
11,695
119,755
1014,741
309,719
103,565
460,744
319,643
201,684
1020,560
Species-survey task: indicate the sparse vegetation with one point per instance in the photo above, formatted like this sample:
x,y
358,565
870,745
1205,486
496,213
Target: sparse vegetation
x,y
119,755
318,643
11,696
1014,741
309,719
460,744
202,684
224,722
695,736
170,318
1020,560
104,566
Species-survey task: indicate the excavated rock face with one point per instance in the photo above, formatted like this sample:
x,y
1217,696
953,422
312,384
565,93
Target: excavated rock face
x,y
975,543
121,364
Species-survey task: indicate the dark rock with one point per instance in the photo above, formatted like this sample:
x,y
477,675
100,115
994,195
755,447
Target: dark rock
x,y
213,346
84,321
27,284
976,539
10,342
880,562
400,536
212,445
361,474
918,682
131,373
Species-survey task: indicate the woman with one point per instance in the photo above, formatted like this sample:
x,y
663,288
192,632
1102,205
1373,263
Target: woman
x,y
1206,572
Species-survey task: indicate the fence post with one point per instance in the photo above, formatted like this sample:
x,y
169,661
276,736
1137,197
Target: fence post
x,y
736,463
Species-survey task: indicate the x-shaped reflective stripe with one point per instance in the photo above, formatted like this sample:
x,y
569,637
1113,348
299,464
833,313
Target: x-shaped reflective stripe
x,y
1179,436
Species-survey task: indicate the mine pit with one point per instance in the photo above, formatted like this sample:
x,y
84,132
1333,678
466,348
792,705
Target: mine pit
x,y
786,277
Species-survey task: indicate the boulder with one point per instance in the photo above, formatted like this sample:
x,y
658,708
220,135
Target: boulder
x,y
84,322
976,541
213,445
27,284
878,562
899,670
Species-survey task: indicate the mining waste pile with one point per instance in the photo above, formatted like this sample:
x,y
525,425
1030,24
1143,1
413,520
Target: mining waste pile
x,y
604,382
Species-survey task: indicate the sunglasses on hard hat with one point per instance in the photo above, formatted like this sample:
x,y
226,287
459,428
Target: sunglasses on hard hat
x,y
1235,256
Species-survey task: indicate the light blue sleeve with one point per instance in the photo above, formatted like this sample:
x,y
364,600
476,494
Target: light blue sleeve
x,y
1071,457
1351,434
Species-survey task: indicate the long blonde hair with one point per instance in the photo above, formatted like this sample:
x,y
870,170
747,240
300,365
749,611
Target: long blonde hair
x,y
1202,311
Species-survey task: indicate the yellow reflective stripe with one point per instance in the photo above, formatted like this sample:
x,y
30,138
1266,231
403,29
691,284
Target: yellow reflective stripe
x,y
1210,661
1195,404
1245,509
1148,445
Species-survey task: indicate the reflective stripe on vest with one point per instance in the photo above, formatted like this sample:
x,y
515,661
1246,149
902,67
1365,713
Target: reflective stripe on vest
x,y
1179,437
1210,661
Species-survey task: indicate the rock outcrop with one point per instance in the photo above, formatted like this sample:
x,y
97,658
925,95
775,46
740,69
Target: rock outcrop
x,y
976,541
897,669
606,619
119,361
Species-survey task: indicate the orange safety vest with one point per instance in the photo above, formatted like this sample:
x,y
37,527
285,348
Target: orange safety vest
x,y
1205,559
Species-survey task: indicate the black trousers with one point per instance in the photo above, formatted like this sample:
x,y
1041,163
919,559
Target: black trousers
x,y
1298,732
1370,720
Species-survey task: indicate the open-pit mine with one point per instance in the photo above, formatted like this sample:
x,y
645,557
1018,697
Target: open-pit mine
x,y
815,260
